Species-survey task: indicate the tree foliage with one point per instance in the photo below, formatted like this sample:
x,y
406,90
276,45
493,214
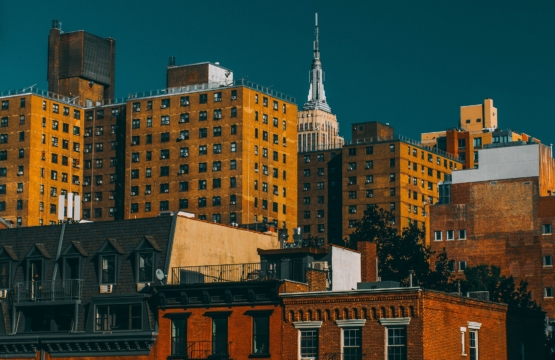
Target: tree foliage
x,y
500,287
401,254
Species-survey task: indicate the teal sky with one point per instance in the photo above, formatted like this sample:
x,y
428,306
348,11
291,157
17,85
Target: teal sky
x,y
409,63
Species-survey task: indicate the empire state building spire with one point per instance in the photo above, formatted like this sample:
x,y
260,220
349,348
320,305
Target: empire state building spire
x,y
316,94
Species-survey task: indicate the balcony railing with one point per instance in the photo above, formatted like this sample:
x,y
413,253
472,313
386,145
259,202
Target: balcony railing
x,y
48,290
350,355
201,350
221,273
294,270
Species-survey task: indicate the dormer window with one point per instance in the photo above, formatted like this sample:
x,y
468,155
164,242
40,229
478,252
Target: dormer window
x,y
8,261
108,258
72,258
145,260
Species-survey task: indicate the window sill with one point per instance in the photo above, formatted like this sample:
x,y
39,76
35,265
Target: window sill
x,y
259,356
462,239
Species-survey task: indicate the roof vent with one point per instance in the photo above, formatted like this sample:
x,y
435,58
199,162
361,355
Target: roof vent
x,y
56,24
171,61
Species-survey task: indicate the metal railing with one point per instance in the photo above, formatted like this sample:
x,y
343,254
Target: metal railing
x,y
199,350
48,290
47,94
211,86
221,273
352,355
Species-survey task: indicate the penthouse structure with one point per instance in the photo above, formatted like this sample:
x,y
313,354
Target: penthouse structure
x,y
478,126
376,169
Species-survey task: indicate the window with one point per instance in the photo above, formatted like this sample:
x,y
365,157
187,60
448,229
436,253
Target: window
x,y
473,336
202,115
118,317
548,260
232,182
352,344
392,177
219,335
352,194
233,129
164,188
202,167
260,334
369,193
233,112
392,148
396,343
202,184
462,234
108,269
233,147
136,106
165,103
437,235
184,152
309,343
352,180
546,229
164,154
450,234
462,266
164,205
352,166
164,170
217,114
179,337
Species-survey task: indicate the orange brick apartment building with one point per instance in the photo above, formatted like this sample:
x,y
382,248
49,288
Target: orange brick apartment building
x,y
376,168
502,214
220,148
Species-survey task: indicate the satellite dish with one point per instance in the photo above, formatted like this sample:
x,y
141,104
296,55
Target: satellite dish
x,y
160,274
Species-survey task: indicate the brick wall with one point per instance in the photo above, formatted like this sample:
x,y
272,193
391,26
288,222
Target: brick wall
x,y
368,258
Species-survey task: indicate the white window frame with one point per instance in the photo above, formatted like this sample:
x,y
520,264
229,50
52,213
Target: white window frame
x,y
450,232
544,231
462,231
436,237
473,327
463,334
306,325
459,268
353,324
395,322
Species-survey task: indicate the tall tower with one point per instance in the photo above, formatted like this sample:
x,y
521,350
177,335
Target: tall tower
x,y
318,127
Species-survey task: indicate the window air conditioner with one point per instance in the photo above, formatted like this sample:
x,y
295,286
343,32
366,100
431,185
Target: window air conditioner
x,y
19,190
319,265
3,293
181,172
181,137
185,102
368,167
234,98
106,289
87,134
135,160
99,182
76,182
367,181
350,168
98,133
134,143
166,122
163,157
215,169
232,202
164,106
111,197
133,194
184,155
97,199
86,183
85,200
167,190
19,173
147,192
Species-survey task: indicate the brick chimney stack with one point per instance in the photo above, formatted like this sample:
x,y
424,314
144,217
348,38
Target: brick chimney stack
x,y
368,261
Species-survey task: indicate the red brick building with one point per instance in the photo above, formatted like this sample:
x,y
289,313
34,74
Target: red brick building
x,y
502,214
406,323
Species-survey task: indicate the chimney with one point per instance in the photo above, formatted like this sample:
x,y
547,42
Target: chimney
x,y
368,261
316,280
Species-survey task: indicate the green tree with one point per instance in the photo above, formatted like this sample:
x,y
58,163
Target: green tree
x,y
401,254
500,287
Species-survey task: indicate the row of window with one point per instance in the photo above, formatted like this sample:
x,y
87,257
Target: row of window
x,y
99,131
450,235
53,190
55,108
202,185
100,114
184,118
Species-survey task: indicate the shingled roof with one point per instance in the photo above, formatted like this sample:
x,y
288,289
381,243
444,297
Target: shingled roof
x,y
86,239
